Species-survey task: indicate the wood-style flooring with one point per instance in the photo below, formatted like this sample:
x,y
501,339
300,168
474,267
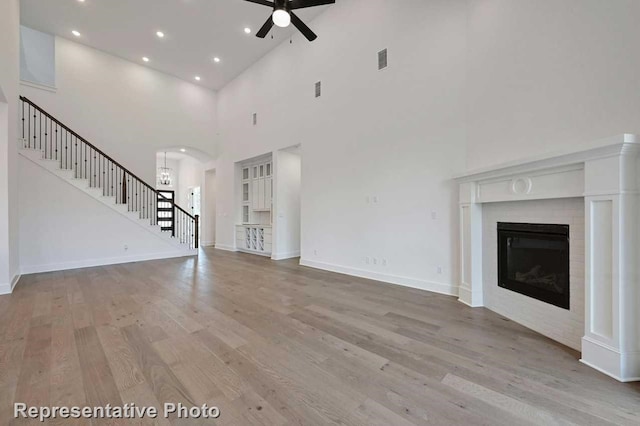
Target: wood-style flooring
x,y
274,343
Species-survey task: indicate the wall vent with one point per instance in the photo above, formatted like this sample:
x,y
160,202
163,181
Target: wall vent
x,y
382,59
318,89
255,118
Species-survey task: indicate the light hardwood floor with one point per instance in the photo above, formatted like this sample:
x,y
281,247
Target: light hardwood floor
x,y
274,343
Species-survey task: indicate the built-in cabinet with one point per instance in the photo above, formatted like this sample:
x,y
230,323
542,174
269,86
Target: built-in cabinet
x,y
254,235
254,238
257,186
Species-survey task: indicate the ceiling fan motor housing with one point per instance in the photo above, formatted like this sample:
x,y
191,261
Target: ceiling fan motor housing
x,y
281,5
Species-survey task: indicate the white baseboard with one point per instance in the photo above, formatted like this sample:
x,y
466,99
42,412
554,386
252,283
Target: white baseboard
x,y
283,256
469,298
8,288
441,288
622,366
207,243
62,266
225,248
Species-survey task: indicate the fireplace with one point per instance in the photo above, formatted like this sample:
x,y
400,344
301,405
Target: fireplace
x,y
533,260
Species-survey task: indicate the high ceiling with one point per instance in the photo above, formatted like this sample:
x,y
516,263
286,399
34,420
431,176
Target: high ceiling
x,y
196,31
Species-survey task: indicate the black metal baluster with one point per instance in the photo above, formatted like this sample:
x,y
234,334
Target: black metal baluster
x,y
51,139
66,149
23,124
34,129
137,209
75,163
58,144
103,178
111,180
117,184
45,137
128,194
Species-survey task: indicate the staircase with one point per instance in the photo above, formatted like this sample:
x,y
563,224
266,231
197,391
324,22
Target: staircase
x,y
61,151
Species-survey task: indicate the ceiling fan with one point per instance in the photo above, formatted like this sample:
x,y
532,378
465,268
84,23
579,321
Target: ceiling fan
x,y
282,15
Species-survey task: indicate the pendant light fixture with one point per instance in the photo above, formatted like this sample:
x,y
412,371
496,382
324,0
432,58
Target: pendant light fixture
x,y
164,173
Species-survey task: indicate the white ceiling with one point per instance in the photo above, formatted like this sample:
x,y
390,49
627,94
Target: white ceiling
x,y
196,31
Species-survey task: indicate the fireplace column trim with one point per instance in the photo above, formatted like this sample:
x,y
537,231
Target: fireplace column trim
x,y
611,341
470,289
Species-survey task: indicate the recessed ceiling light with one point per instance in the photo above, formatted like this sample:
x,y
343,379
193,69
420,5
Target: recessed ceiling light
x,y
144,58
75,33
216,59
160,34
81,1
183,150
247,30
197,77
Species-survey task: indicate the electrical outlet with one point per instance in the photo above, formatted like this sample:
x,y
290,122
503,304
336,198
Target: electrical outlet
x,y
384,262
366,260
375,261
315,252
375,199
126,247
439,269
434,216
366,199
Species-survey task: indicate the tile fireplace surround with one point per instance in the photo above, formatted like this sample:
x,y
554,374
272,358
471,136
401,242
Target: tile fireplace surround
x,y
606,174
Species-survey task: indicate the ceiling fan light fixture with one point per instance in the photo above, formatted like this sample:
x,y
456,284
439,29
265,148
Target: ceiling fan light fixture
x,y
281,18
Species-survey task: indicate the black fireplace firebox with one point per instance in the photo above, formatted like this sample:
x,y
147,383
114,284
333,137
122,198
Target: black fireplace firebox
x,y
533,259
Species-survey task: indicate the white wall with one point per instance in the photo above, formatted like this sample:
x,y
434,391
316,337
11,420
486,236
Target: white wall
x,y
470,83
128,110
9,75
191,174
288,169
209,213
397,135
550,74
61,227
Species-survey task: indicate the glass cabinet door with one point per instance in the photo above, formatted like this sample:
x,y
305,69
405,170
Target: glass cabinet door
x,y
245,192
261,170
268,169
245,173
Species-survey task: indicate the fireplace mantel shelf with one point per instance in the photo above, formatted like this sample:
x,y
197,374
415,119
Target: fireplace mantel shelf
x,y
602,148
606,173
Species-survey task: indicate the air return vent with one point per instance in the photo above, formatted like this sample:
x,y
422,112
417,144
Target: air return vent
x,y
382,59
318,89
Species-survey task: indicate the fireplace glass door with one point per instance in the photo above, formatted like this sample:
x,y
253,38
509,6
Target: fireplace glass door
x,y
533,259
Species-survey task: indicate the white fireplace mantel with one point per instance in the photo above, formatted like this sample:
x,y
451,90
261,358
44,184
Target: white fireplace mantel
x,y
607,174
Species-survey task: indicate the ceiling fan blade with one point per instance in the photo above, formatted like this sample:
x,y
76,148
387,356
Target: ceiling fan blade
x,y
302,27
300,4
262,2
262,33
